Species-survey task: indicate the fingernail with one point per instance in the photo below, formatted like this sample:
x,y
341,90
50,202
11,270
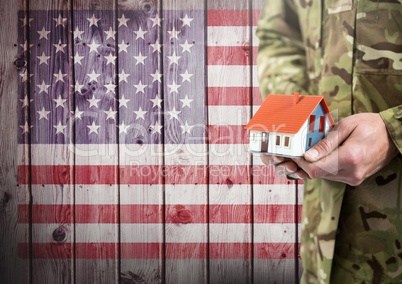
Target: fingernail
x,y
294,176
312,154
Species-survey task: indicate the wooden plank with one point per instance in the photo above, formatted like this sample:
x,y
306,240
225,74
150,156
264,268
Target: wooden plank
x,y
12,63
49,63
184,135
95,80
228,28
140,140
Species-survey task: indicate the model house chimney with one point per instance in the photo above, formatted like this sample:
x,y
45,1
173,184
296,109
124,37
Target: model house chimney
x,y
296,97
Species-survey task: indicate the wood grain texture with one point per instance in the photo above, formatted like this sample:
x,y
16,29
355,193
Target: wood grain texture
x,y
12,64
94,18
226,269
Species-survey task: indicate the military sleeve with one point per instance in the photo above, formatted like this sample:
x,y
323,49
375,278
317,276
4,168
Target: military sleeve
x,y
393,120
281,54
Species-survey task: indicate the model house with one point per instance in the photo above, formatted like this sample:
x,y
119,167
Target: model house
x,y
289,125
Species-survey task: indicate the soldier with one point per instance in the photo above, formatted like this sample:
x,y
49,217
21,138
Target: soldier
x,y
349,51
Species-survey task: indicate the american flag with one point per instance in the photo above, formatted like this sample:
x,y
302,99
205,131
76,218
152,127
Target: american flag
x,y
134,161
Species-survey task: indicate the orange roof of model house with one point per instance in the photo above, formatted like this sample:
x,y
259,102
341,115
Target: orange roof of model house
x,y
286,113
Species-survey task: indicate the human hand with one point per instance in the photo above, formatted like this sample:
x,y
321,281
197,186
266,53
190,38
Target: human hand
x,y
357,147
283,166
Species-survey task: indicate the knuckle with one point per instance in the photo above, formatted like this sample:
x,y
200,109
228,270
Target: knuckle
x,y
354,157
324,145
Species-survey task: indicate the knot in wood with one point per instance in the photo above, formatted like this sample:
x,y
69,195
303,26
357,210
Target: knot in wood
x,y
20,63
181,215
59,234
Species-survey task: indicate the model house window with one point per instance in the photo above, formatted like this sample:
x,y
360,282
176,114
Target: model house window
x,y
253,137
287,142
310,142
278,140
322,124
312,122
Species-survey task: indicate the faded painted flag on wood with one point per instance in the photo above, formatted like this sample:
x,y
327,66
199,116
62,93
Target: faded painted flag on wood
x,y
134,159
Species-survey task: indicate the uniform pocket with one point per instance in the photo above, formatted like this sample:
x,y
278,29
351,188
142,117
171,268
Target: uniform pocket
x,y
379,38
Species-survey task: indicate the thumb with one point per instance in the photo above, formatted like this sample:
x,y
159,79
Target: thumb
x,y
323,147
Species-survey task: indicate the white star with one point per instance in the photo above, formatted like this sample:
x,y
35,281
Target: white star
x,y
43,59
77,114
25,102
157,102
123,128
24,75
59,101
123,102
111,114
93,76
123,21
174,113
43,33
156,21
140,33
156,47
156,128
186,128
93,128
186,102
157,76
140,88
140,114
60,128
123,76
60,20
78,58
25,128
110,33
111,59
93,46
60,46
93,102
140,59
186,76
186,47
174,59
43,87
186,21
174,88
174,34
78,33
43,114
93,21
110,88
60,76
78,87
123,47
25,46
24,21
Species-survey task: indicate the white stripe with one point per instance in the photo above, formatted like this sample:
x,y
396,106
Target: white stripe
x,y
186,154
230,36
186,233
231,76
186,194
275,233
230,233
229,154
235,195
175,233
228,115
276,194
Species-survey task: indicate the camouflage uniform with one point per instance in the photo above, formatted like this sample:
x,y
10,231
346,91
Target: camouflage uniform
x,y
349,51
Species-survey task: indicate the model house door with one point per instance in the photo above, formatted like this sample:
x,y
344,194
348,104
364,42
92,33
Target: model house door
x,y
264,142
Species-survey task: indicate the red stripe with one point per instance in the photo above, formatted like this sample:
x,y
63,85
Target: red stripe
x,y
232,55
233,96
219,174
153,214
231,17
156,250
227,134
